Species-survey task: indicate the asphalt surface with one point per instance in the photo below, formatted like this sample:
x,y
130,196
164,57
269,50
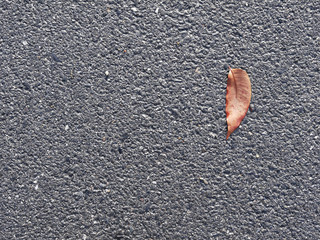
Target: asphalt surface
x,y
113,125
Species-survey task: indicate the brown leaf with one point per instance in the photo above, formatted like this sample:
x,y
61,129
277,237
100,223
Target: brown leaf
x,y
238,98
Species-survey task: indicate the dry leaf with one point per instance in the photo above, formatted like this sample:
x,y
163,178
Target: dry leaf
x,y
238,98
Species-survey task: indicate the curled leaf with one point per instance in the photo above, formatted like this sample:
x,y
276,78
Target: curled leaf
x,y
238,98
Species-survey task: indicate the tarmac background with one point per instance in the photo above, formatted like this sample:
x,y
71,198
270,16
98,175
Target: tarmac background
x,y
113,125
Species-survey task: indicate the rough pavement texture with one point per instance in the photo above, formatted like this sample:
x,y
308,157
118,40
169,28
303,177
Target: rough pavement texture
x,y
112,120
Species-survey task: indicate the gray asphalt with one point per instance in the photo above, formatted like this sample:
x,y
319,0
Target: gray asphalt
x,y
113,125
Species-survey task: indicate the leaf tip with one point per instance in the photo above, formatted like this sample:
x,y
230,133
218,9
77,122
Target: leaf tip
x,y
229,132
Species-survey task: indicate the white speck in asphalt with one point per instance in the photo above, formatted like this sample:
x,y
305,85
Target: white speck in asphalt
x,y
66,127
24,42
